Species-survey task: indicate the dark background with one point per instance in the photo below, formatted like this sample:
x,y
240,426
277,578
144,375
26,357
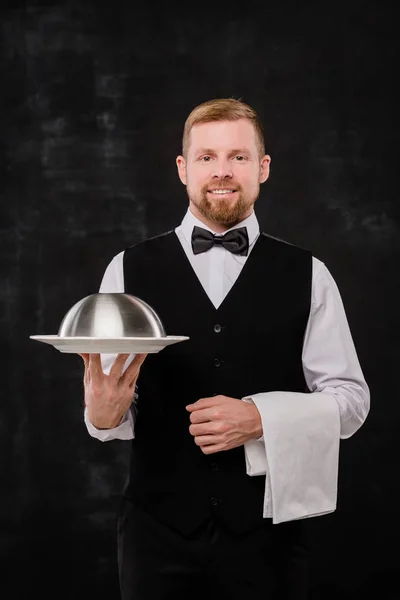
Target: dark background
x,y
92,106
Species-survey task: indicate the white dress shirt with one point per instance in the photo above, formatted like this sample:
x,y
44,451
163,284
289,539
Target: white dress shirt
x,y
299,449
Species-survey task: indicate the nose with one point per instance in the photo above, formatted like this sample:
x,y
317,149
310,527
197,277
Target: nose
x,y
222,168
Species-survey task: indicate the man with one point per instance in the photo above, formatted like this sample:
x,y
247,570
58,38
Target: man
x,y
235,432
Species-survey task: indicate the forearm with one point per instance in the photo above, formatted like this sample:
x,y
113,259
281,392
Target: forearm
x,y
352,399
124,431
106,416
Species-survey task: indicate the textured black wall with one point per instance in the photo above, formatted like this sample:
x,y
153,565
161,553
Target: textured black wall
x,y
92,107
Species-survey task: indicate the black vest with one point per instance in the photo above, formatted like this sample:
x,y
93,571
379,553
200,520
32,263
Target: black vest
x,y
252,343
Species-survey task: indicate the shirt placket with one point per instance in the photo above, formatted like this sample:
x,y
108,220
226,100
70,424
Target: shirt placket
x,y
216,275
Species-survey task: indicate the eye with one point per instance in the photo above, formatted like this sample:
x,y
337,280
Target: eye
x,y
240,158
205,158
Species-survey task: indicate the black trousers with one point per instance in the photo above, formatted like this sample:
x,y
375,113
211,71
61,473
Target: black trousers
x,y
158,563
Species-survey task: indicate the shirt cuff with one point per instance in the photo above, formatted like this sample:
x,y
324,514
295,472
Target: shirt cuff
x,y
250,400
124,431
254,451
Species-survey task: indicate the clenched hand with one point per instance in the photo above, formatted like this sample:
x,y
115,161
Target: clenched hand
x,y
108,397
221,423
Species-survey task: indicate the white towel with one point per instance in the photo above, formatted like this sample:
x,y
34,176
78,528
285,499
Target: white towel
x,y
299,453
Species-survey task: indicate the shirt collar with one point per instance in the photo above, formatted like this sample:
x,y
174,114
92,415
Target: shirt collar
x,y
189,221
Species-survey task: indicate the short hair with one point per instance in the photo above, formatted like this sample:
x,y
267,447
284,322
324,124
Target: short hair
x,y
223,109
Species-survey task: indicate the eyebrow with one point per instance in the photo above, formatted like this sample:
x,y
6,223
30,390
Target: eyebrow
x,y
234,151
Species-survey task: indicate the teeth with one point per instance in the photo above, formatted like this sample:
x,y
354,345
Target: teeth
x,y
222,191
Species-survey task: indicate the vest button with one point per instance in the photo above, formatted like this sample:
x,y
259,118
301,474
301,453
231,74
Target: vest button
x,y
214,501
217,328
217,362
214,466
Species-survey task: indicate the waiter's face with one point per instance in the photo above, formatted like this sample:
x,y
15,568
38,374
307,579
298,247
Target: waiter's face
x,y
223,171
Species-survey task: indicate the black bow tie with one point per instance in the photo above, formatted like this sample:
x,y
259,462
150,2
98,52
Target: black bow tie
x,y
236,241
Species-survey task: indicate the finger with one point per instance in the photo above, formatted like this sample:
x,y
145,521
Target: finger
x,y
212,448
85,359
132,371
118,366
95,368
202,416
205,440
86,376
204,403
202,429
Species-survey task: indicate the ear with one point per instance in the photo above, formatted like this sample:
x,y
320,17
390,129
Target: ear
x,y
264,168
181,164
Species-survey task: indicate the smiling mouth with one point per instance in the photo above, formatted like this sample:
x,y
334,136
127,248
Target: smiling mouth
x,y
221,192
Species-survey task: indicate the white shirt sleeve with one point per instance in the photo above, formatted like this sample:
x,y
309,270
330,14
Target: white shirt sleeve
x,y
299,449
113,281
